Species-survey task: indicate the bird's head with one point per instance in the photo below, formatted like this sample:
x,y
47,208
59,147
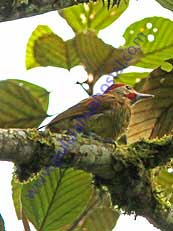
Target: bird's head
x,y
126,91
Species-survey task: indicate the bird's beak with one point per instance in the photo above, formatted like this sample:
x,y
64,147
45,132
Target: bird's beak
x,y
140,96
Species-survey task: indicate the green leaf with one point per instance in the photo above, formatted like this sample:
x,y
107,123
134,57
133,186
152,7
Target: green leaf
x,y
99,215
19,107
168,4
40,93
92,16
154,36
167,66
153,117
100,58
45,48
54,202
131,78
2,225
163,185
97,57
165,182
16,195
102,219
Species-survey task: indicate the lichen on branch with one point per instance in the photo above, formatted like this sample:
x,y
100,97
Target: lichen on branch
x,y
126,170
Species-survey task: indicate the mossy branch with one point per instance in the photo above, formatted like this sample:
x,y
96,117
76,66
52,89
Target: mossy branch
x,y
14,9
127,171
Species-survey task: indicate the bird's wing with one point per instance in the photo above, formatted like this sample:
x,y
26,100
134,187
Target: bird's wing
x,y
93,104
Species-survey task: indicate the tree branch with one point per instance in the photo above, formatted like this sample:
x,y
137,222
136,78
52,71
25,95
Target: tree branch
x,y
127,171
14,9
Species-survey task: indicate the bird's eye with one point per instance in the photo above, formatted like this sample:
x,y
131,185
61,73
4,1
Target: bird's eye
x,y
128,87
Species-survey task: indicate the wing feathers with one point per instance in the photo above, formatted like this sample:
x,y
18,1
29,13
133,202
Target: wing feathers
x,y
87,107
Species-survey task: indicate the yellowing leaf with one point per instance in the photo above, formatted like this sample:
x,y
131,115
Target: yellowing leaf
x,y
167,66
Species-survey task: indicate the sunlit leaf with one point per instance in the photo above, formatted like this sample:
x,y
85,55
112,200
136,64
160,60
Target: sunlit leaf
x,y
131,78
167,66
55,201
45,48
16,194
86,49
19,106
153,117
154,36
93,15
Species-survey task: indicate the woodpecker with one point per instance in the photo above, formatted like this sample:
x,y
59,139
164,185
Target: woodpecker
x,y
106,115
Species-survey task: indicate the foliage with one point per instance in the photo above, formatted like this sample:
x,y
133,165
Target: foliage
x,y
23,104
47,49
166,3
157,45
152,118
2,227
65,199
65,194
92,16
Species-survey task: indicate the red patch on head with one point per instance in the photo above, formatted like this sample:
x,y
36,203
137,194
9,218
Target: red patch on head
x,y
113,86
131,96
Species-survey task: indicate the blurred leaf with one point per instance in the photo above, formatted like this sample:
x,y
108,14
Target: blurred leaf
x,y
131,78
97,57
99,215
19,108
165,182
92,16
54,202
40,93
167,66
168,4
153,117
154,36
16,195
2,225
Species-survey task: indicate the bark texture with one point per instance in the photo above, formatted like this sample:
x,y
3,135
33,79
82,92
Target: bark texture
x,y
15,9
127,171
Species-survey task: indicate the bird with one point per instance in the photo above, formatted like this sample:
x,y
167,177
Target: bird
x,y
106,116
